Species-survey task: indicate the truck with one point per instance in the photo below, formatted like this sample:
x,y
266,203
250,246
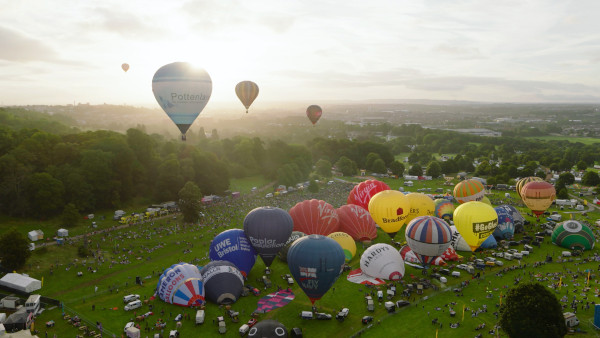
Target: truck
x,y
199,317
32,304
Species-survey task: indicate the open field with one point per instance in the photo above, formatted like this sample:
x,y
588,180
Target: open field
x,y
584,140
146,249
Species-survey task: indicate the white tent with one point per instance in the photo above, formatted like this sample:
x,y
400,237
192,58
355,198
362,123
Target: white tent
x,y
34,235
133,332
62,233
20,282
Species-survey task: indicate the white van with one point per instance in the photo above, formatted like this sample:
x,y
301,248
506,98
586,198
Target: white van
x,y
456,273
566,253
199,317
306,315
136,304
130,298
244,329
508,256
518,255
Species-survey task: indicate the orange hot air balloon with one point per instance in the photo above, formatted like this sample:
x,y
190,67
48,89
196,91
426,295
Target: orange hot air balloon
x,y
125,67
361,194
246,91
521,183
357,222
314,217
314,113
469,190
538,196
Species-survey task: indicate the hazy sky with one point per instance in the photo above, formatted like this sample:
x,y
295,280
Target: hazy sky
x,y
60,52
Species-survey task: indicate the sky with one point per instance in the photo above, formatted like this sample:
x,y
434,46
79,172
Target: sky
x,y
313,51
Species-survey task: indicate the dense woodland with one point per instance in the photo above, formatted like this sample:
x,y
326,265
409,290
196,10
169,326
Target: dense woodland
x,y
46,163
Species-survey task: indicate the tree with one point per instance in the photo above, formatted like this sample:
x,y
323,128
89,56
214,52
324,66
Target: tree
x,y
371,158
189,201
346,166
14,250
45,193
562,194
323,168
416,170
434,169
581,165
379,166
313,186
567,178
397,168
70,216
541,174
590,178
530,310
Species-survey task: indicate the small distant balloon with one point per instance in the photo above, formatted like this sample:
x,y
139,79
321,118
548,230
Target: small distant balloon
x,y
314,113
125,67
246,91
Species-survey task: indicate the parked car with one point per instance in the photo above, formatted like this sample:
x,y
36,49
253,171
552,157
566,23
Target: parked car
x,y
178,317
402,303
130,298
342,314
251,322
323,316
367,319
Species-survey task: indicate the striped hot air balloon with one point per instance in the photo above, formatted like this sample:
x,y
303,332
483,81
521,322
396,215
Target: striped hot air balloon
x,y
357,222
428,237
538,196
521,183
469,190
314,217
443,208
246,91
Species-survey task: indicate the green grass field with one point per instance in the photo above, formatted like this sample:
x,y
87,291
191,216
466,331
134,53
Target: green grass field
x,y
147,249
584,140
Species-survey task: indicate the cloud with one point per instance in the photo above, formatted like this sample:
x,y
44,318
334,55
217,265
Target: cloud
x,y
19,47
127,24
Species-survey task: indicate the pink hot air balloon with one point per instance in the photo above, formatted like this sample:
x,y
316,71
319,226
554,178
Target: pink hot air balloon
x,y
314,217
357,222
361,194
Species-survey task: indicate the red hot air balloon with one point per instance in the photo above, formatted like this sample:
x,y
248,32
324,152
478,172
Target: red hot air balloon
x,y
314,217
314,113
361,194
357,222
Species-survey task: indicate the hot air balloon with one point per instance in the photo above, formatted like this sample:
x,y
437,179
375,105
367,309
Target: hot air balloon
x,y
538,196
282,254
233,246
246,91
346,242
382,261
182,91
314,217
315,262
518,219
314,113
181,284
357,222
268,229
361,193
125,67
489,243
268,328
420,205
521,183
475,221
469,190
506,226
573,235
389,209
486,201
223,282
444,209
458,242
428,237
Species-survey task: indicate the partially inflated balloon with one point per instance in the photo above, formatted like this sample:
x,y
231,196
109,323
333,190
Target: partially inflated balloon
x,y
233,246
181,284
223,282
346,242
486,201
182,91
246,91
282,254
315,262
428,237
125,67
314,113
361,193
382,261
357,222
506,225
268,229
469,190
521,183
538,196
314,217
389,209
475,221
420,205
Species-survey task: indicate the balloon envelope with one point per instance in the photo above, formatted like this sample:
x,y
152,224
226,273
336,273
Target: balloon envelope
x,y
357,222
181,284
475,221
506,225
428,237
282,254
521,183
268,328
246,91
315,262
518,219
223,282
458,242
538,196
233,246
572,234
314,217
268,229
469,190
420,205
361,193
182,91
443,208
125,67
389,209
382,261
489,243
346,242
314,113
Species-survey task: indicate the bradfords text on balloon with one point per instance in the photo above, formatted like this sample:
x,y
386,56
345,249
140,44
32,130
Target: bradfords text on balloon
x,y
393,220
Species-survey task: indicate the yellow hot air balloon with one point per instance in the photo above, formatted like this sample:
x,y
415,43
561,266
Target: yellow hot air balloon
x,y
246,91
486,201
420,205
538,196
521,183
389,209
475,221
469,190
346,242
